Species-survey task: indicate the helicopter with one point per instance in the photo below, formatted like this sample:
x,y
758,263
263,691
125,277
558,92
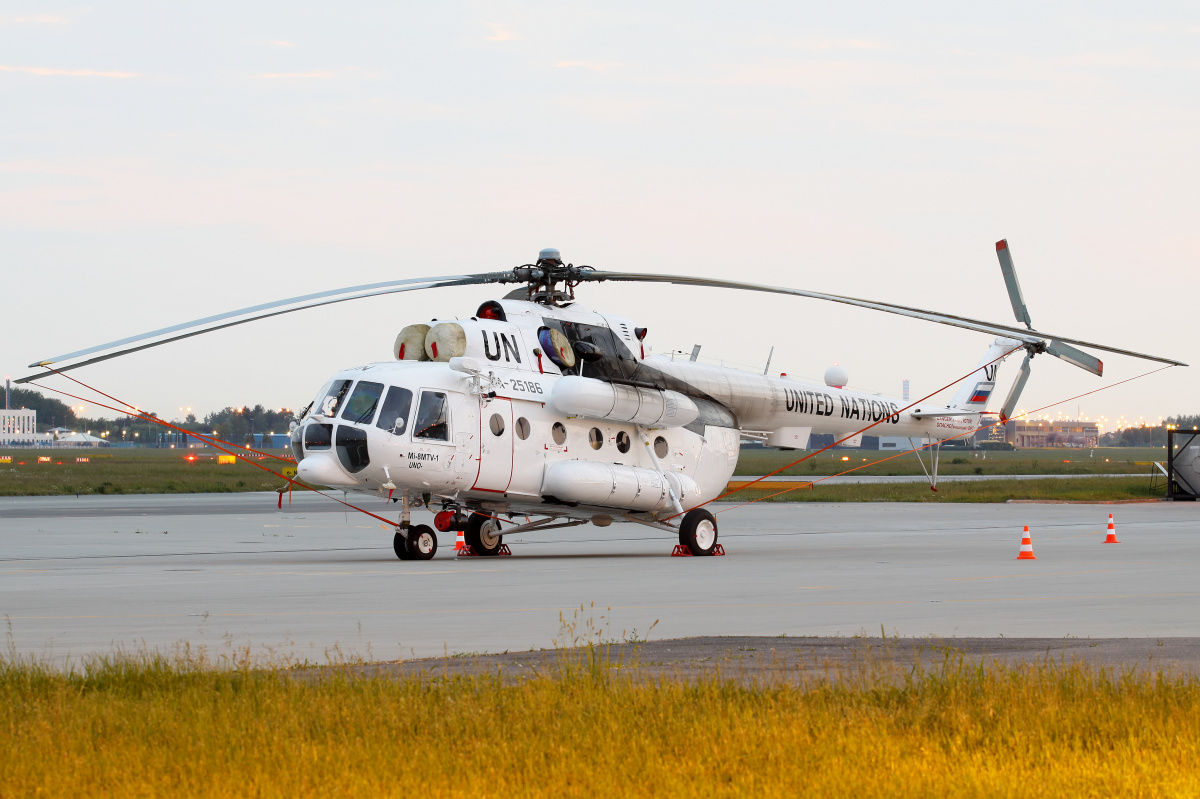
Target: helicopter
x,y
541,408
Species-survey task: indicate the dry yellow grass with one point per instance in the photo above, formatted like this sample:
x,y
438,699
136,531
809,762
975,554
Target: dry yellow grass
x,y
151,726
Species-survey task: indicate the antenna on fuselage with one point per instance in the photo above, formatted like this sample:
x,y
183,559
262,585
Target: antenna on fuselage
x,y
770,355
695,353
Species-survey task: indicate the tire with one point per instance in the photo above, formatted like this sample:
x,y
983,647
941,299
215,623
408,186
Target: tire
x,y
698,532
401,546
422,542
483,535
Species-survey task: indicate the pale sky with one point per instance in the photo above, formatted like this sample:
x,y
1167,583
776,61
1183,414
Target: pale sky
x,y
161,162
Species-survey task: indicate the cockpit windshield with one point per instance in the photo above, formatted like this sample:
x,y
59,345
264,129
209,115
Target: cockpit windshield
x,y
394,416
361,407
332,401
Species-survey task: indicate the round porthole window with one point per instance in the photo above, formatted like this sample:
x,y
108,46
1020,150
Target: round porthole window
x,y
622,442
559,433
496,423
522,428
660,447
595,438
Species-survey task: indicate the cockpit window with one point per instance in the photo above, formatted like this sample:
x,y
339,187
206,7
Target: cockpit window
x,y
332,401
396,407
361,407
433,417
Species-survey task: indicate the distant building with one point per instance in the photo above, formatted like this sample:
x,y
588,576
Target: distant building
x,y
1063,433
19,428
993,434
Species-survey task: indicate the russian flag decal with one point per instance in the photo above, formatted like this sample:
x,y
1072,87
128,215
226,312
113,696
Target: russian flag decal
x,y
981,393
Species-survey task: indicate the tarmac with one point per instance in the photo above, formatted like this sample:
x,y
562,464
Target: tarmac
x,y
229,573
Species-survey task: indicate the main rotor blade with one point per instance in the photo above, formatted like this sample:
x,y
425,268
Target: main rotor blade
x,y
253,313
1012,284
1076,357
1008,331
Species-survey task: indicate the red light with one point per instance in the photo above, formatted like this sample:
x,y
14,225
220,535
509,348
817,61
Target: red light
x,y
488,312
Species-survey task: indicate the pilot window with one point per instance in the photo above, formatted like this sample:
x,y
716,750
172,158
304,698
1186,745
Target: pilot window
x,y
332,401
396,405
433,417
318,436
361,407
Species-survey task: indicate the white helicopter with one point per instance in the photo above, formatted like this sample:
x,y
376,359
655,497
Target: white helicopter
x,y
536,407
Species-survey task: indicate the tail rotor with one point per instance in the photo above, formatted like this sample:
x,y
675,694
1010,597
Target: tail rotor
x,y
1059,349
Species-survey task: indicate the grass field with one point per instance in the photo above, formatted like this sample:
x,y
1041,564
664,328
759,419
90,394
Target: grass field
x,y
1083,489
1107,460
165,471
154,726
131,471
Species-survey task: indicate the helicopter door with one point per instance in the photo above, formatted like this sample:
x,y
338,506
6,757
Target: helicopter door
x,y
495,446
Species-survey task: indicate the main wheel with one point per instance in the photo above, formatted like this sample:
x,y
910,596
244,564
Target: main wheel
x,y
483,535
698,532
422,542
401,546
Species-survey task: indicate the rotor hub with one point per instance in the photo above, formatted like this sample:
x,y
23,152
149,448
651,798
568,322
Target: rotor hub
x,y
551,282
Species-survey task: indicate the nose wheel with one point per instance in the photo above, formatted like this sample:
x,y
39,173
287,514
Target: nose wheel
x,y
421,543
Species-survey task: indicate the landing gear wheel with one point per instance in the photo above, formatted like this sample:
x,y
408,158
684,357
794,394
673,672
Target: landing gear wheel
x,y
401,546
483,535
422,542
698,532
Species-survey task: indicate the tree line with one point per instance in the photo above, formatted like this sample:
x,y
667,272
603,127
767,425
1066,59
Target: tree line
x,y
235,424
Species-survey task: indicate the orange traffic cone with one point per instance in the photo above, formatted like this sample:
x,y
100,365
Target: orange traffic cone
x,y
1112,532
1026,552
459,541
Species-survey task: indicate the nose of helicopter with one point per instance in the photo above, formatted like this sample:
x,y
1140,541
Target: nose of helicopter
x,y
322,468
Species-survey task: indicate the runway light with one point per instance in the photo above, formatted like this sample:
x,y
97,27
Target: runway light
x,y
845,457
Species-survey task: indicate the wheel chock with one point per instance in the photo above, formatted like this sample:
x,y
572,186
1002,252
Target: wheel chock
x,y
467,552
680,551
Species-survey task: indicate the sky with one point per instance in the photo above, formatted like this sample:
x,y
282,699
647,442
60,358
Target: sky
x,y
163,162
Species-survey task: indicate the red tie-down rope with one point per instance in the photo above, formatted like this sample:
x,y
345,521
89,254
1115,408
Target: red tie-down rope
x,y
926,446
857,432
235,452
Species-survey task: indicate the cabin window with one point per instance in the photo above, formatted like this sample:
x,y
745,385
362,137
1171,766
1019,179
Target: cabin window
x,y
559,433
352,448
361,407
433,417
660,447
622,442
496,424
396,406
295,438
522,428
318,436
595,438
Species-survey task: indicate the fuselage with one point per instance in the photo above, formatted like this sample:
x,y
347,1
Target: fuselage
x,y
521,430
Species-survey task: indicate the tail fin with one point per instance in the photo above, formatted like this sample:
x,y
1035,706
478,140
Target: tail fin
x,y
974,392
